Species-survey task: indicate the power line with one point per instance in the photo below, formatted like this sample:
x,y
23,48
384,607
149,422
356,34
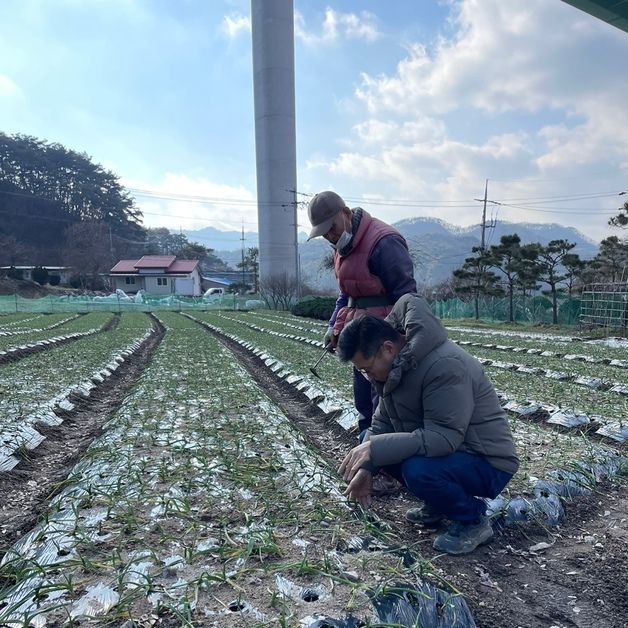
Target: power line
x,y
464,202
429,204
591,175
398,203
564,210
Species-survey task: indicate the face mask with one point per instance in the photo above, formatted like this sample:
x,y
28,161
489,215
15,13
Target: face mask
x,y
343,241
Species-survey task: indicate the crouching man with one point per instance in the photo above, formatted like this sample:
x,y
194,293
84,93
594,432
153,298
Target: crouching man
x,y
439,427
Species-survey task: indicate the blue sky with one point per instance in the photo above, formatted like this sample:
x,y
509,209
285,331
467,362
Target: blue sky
x,y
403,107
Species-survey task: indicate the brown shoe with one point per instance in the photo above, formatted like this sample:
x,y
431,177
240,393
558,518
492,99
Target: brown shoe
x,y
384,484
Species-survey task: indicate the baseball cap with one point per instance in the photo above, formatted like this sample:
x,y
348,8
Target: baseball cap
x,y
322,210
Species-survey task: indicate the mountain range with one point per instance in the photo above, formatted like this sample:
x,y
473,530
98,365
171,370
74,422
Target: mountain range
x,y
437,246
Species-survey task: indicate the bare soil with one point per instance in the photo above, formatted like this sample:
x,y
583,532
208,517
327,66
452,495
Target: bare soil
x,y
578,580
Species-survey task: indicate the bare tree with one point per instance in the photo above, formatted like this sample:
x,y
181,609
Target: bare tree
x,y
440,291
14,252
279,291
327,263
88,251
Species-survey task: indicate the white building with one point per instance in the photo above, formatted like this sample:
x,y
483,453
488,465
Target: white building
x,y
157,274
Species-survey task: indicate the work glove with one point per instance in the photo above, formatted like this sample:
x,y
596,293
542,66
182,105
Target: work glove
x,y
330,340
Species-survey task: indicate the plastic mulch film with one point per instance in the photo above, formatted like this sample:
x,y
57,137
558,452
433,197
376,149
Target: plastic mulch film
x,y
564,484
410,605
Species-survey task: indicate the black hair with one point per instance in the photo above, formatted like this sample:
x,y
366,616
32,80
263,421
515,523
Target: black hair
x,y
365,334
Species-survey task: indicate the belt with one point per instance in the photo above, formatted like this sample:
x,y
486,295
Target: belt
x,y
364,302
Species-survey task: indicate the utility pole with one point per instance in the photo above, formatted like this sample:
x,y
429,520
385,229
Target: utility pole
x,y
294,206
484,226
480,268
242,239
484,213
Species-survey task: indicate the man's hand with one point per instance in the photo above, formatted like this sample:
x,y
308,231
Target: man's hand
x,y
360,489
354,460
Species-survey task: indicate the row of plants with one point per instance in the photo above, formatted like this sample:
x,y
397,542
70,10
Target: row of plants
x,y
9,320
202,505
299,356
546,356
34,325
283,323
596,376
280,330
32,388
553,395
589,351
327,398
88,323
288,316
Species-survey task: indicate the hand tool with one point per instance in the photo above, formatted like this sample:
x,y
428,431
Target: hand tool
x,y
328,349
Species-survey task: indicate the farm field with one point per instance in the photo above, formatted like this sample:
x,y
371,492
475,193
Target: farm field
x,y
205,493
52,328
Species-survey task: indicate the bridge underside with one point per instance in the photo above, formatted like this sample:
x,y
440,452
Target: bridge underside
x,y
614,12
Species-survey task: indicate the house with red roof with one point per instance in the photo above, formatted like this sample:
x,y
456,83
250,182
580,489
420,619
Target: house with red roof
x,y
157,274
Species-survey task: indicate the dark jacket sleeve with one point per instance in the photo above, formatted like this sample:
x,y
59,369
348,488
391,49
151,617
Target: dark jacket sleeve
x,y
390,261
341,302
447,410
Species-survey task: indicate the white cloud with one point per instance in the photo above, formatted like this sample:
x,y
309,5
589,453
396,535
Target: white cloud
x,y
8,87
206,203
337,26
236,24
506,56
556,94
386,132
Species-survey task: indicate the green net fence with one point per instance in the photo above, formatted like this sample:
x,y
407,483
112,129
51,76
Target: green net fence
x,y
531,310
536,309
148,303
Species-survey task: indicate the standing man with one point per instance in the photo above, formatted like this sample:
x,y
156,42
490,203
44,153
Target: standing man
x,y
373,268
439,427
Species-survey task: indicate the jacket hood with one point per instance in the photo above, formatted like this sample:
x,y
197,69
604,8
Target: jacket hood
x,y
413,317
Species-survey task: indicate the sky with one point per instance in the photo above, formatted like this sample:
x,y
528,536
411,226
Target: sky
x,y
404,108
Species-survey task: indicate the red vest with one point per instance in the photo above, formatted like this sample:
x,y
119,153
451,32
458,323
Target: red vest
x,y
352,271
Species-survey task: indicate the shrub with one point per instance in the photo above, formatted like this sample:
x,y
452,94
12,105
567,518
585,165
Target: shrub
x,y
315,307
14,273
40,275
96,282
77,281
54,280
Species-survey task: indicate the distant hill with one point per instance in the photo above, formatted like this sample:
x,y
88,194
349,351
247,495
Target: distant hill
x,y
440,248
222,240
437,246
